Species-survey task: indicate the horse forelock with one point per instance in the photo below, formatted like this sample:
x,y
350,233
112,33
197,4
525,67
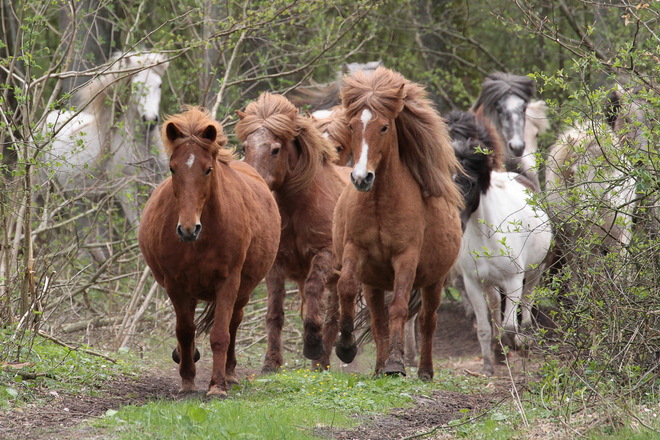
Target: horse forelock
x,y
481,133
277,114
498,85
191,123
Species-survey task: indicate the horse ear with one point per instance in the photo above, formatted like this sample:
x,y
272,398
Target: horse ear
x,y
241,115
210,133
172,131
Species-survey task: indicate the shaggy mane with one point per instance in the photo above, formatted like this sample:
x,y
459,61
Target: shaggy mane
x,y
336,127
192,122
424,144
467,125
499,84
278,114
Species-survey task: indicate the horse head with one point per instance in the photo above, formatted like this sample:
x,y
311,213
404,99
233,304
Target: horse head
x,y
627,114
504,99
283,146
194,142
333,127
146,84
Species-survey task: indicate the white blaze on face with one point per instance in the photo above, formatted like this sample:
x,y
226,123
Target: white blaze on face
x,y
360,170
190,161
515,105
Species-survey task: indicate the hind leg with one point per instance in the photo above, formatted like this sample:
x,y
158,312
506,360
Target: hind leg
x,y
410,357
274,319
184,307
247,286
330,324
513,288
313,347
428,318
375,299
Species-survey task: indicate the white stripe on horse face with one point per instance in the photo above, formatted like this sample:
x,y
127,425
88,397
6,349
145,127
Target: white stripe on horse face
x,y
190,161
360,170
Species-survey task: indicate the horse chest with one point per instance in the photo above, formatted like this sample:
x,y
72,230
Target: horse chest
x,y
298,246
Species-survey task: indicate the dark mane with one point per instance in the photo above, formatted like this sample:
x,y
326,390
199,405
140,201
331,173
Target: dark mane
x,y
476,144
424,144
192,123
499,84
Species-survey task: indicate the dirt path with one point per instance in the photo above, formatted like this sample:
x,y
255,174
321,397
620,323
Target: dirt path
x,y
63,416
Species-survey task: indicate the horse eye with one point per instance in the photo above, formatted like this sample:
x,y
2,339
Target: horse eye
x,y
208,171
384,129
339,148
171,170
275,152
351,127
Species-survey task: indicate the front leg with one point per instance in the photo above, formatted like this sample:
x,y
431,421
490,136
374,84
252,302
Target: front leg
x,y
184,307
314,286
226,295
330,324
405,267
375,299
347,289
274,318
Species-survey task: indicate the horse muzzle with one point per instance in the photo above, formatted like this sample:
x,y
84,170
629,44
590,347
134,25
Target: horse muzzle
x,y
517,147
186,235
363,184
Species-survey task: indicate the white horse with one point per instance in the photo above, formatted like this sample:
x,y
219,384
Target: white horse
x,y
95,153
505,240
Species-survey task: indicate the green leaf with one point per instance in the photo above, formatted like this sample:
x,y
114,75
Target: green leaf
x,y
498,416
12,392
111,412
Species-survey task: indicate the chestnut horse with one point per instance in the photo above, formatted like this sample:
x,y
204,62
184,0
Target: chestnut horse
x,y
333,127
296,163
397,227
209,232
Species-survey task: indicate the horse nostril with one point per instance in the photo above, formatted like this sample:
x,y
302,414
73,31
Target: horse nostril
x,y
369,178
198,229
179,231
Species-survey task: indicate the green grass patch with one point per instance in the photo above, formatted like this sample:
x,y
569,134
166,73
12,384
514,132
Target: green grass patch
x,y
288,405
54,368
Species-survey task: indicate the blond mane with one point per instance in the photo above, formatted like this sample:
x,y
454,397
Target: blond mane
x,y
280,117
424,144
192,122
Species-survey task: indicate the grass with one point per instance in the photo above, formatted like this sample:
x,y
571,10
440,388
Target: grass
x,y
56,369
288,405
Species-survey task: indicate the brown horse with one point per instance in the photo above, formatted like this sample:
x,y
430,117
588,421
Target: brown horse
x,y
334,128
397,227
296,163
209,232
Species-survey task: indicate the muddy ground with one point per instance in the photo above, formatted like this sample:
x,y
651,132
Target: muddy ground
x,y
456,347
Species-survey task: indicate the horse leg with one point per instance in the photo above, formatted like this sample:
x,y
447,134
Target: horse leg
x,y
347,289
313,347
184,309
494,299
484,331
513,288
428,319
532,278
405,266
237,316
274,319
411,342
330,324
226,296
375,299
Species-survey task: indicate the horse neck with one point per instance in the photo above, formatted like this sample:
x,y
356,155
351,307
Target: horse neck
x,y
393,169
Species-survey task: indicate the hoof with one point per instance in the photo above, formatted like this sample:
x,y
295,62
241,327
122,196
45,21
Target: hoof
x,y
177,358
313,351
216,393
488,371
232,379
425,375
188,389
270,368
394,367
346,350
321,364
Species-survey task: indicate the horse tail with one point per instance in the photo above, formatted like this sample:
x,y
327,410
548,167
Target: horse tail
x,y
204,322
363,316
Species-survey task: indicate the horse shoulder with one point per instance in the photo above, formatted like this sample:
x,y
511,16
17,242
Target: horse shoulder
x,y
344,174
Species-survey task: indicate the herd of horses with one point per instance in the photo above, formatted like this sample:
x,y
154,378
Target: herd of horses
x,y
426,199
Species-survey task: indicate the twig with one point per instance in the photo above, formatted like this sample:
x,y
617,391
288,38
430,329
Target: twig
x,y
45,335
